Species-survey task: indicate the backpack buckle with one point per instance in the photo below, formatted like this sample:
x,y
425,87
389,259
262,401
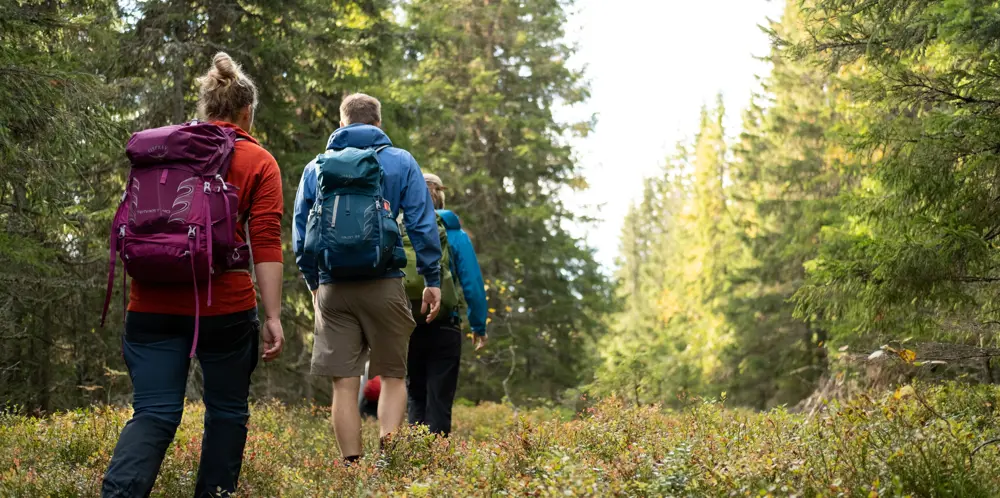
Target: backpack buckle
x,y
191,232
208,188
121,231
236,255
222,181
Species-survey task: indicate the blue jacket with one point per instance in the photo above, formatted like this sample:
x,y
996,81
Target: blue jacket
x,y
403,186
466,266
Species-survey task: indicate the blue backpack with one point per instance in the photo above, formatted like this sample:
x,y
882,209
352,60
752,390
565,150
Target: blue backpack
x,y
350,232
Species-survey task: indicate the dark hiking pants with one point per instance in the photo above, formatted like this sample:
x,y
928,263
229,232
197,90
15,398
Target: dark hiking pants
x,y
432,374
156,349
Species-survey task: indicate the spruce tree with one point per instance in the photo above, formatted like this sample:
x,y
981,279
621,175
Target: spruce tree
x,y
58,132
477,105
787,175
917,254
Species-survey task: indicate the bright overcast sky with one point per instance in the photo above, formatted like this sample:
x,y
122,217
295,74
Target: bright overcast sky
x,y
652,65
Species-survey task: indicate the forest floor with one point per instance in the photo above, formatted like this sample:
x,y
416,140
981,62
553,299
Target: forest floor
x,y
919,441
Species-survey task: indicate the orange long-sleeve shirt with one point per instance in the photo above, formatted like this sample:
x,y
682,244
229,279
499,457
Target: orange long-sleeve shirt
x,y
255,173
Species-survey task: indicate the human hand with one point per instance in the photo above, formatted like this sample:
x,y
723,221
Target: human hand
x,y
274,338
480,341
432,303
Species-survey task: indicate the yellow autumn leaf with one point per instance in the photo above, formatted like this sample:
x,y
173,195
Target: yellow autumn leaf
x,y
509,309
907,355
904,392
493,310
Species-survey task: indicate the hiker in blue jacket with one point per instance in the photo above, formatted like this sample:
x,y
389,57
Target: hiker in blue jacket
x,y
362,319
436,345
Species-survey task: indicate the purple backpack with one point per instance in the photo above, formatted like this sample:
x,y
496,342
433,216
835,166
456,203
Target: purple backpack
x,y
177,219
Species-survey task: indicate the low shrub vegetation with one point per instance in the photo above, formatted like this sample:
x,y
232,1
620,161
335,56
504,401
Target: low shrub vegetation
x,y
920,441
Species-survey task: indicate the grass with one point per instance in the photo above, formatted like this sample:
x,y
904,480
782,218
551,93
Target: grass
x,y
920,441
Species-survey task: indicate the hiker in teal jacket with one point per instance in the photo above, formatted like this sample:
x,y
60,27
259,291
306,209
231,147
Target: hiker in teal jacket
x,y
470,277
436,347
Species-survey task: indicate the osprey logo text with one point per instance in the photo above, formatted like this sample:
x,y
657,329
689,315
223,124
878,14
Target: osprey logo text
x,y
157,151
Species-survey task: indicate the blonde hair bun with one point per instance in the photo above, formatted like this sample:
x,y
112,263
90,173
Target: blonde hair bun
x,y
225,90
224,66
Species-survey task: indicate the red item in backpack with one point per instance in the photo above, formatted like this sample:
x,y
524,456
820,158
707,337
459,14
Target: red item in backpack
x,y
372,389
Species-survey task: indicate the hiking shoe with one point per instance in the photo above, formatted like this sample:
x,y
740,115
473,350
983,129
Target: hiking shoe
x,y
385,443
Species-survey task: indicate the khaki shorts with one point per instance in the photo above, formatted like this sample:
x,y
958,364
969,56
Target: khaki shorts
x,y
358,319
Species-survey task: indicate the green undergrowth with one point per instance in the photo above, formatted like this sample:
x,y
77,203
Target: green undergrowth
x,y
921,441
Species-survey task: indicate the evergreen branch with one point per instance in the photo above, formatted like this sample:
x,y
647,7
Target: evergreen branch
x,y
995,231
974,280
924,85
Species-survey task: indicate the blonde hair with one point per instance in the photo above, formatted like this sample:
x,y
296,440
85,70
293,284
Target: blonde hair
x,y
225,90
437,195
361,108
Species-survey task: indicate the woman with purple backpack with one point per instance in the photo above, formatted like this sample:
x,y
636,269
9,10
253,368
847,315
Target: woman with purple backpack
x,y
195,189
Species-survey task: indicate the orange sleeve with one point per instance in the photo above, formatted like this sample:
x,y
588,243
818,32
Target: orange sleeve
x,y
267,204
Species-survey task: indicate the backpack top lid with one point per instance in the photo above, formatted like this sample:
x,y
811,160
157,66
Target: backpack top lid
x,y
449,218
349,171
197,144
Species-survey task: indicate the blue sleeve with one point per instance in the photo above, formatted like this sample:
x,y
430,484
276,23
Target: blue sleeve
x,y
304,199
471,278
421,224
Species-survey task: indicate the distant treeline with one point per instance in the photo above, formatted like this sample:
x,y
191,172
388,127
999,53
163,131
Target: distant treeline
x,y
859,209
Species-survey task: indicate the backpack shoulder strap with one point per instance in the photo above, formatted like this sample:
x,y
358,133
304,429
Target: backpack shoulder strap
x,y
246,222
381,183
224,167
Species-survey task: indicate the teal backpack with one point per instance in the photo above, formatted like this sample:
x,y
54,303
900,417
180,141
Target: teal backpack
x,y
350,231
452,300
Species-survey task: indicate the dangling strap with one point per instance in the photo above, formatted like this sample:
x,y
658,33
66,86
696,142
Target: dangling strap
x,y
208,242
111,272
124,288
197,302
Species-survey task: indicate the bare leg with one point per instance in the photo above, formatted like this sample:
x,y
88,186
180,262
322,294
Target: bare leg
x,y
391,405
346,417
